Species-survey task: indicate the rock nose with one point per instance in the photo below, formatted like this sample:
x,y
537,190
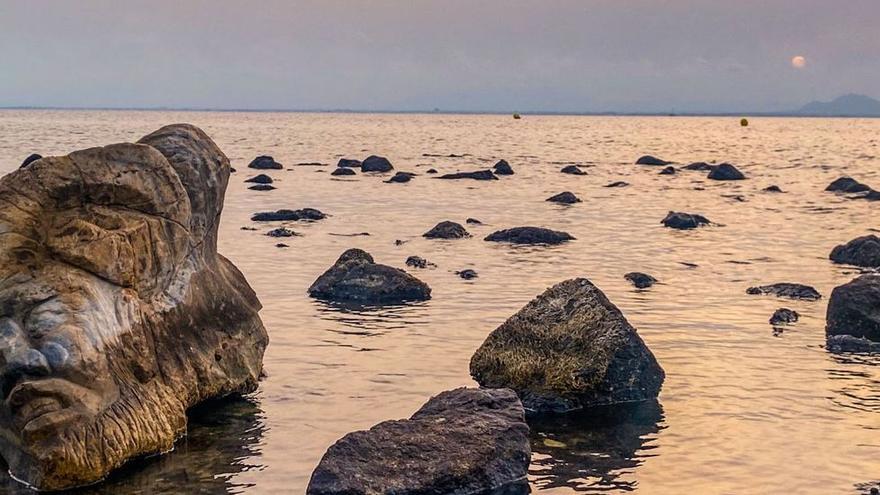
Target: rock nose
x,y
30,362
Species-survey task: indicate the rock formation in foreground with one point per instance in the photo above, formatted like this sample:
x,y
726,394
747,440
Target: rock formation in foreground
x,y
569,348
119,312
861,251
854,312
529,235
356,278
464,441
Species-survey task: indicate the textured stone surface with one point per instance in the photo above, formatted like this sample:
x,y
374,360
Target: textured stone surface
x,y
862,251
118,312
787,290
530,235
447,230
355,277
684,221
568,349
462,442
854,309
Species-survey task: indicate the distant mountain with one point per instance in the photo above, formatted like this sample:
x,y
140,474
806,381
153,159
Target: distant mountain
x,y
843,106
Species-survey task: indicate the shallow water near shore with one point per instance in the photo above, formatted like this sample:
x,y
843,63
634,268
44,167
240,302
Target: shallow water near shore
x,y
743,410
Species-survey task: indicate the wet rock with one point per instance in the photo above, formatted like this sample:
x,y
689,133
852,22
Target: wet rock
x,y
772,189
310,214
375,163
619,183
348,163
30,159
503,168
281,232
699,166
473,221
725,171
447,230
684,221
265,162
478,175
529,235
464,441
564,198
401,177
651,160
418,262
787,290
281,245
862,251
343,171
871,196
467,274
572,170
262,187
848,343
847,185
784,316
668,171
431,171
640,280
569,348
355,277
260,179
854,309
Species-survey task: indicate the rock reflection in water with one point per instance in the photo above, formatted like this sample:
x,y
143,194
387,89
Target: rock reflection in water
x,y
222,439
594,451
371,319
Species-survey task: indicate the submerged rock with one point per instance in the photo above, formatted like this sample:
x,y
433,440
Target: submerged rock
x,y
281,232
529,235
565,198
569,348
288,215
348,163
262,187
725,171
447,230
847,185
431,171
862,251
668,171
787,290
572,170
418,262
375,163
464,441
854,309
478,175
699,166
503,168
260,179
684,221
651,160
848,343
473,221
265,162
401,177
467,274
640,280
619,183
784,316
343,171
30,159
772,189
355,277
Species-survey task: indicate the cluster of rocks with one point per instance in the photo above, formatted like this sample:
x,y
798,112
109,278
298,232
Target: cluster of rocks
x,y
724,171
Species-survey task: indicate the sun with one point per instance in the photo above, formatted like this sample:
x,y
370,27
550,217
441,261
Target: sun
x,y
799,62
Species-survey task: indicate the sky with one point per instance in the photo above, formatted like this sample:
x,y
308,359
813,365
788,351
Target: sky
x,y
454,55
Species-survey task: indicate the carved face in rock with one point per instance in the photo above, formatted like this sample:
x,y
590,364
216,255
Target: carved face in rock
x,y
116,312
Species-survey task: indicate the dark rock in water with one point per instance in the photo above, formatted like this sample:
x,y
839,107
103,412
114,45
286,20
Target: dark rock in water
x,y
640,280
478,175
651,160
262,187
854,309
772,189
847,185
465,441
399,242
400,177
265,162
572,170
529,235
783,316
568,349
503,168
447,230
375,163
418,262
30,159
619,183
565,198
871,196
467,274
288,215
281,245
355,277
668,171
431,171
260,179
699,166
281,232
348,163
250,228
343,171
725,171
473,221
684,221
862,251
787,290
848,343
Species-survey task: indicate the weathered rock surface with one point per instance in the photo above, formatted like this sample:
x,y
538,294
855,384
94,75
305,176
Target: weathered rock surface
x,y
530,235
569,348
847,185
503,168
119,314
310,214
30,159
401,177
787,290
651,160
566,197
572,170
862,251
355,277
640,280
725,171
684,221
375,163
465,441
260,179
478,175
854,309
447,230
265,162
348,163
670,170
784,316
343,171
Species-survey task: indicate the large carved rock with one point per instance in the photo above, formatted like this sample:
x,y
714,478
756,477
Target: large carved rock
x,y
355,277
464,441
568,349
118,312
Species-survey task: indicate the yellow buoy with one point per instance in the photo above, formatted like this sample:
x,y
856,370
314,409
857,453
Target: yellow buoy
x,y
744,122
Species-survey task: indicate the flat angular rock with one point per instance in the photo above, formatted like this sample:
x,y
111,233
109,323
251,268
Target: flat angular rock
x,y
784,316
447,230
862,251
530,235
478,175
310,214
854,309
847,185
640,280
375,163
568,349
343,171
787,290
684,221
355,277
265,162
572,170
465,441
651,160
260,179
726,171
566,197
503,168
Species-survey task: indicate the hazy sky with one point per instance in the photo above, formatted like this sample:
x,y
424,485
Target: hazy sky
x,y
504,55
